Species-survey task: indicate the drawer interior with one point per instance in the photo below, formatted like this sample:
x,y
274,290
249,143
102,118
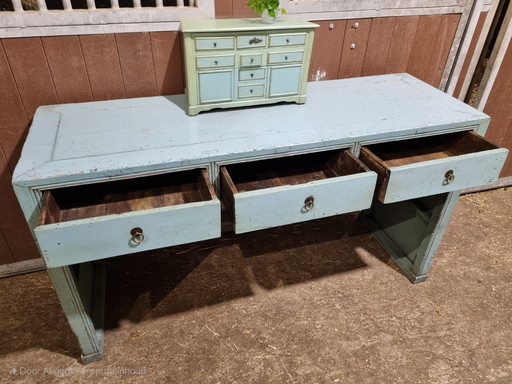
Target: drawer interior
x,y
292,170
405,152
121,196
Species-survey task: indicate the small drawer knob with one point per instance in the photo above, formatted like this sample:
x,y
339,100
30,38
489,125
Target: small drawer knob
x,y
449,176
309,203
137,235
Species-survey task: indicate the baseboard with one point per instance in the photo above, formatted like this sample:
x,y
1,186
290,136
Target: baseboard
x,y
22,267
500,183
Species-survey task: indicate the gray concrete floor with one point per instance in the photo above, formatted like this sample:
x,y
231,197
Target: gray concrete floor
x,y
313,303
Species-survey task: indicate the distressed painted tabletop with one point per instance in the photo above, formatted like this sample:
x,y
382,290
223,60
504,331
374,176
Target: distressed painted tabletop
x,y
76,142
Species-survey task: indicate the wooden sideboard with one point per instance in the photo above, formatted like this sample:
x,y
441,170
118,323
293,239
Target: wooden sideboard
x,y
241,62
103,179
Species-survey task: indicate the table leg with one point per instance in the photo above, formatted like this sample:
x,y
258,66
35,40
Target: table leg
x,y
80,290
412,230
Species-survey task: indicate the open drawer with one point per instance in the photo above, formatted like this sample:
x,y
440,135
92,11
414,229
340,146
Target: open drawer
x,y
427,166
269,193
95,221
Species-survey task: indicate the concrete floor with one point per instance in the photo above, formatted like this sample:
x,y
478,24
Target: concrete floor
x,y
313,303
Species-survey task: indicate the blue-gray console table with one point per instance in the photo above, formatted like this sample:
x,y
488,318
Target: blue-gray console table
x,y
102,179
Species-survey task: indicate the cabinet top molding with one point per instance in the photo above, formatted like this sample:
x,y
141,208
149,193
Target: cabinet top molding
x,y
236,25
108,139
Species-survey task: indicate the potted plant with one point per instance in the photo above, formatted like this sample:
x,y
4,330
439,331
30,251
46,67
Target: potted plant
x,y
269,9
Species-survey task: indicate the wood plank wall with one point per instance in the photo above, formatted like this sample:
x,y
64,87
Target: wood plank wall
x,y
499,107
67,69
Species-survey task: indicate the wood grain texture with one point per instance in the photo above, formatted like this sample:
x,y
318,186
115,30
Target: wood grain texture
x,y
241,9
30,70
5,253
327,47
431,47
136,61
379,43
352,59
223,8
470,53
67,67
499,103
507,168
401,43
12,222
102,62
12,111
167,61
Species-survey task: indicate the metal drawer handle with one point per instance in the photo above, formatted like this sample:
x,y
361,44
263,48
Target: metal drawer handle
x,y
214,45
448,177
287,41
309,203
137,235
286,58
215,62
255,40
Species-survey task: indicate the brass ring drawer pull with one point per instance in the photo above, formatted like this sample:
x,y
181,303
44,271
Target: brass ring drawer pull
x,y
137,235
309,203
448,177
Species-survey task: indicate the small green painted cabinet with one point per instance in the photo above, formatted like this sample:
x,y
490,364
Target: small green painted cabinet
x,y
242,62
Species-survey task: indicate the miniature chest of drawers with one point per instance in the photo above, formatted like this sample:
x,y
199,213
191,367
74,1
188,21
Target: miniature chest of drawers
x,y
241,62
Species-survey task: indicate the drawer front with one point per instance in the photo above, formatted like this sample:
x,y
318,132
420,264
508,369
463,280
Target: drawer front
x,y
285,205
214,43
294,189
437,164
284,40
251,60
253,74
251,41
285,57
255,90
215,61
101,237
443,175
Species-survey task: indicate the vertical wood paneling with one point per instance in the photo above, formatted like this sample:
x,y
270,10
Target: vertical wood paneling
x,y
16,243
13,119
469,55
351,63
507,168
379,42
223,8
11,111
136,61
401,44
102,63
30,70
431,47
499,103
325,59
12,222
5,252
11,143
166,47
67,67
241,9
